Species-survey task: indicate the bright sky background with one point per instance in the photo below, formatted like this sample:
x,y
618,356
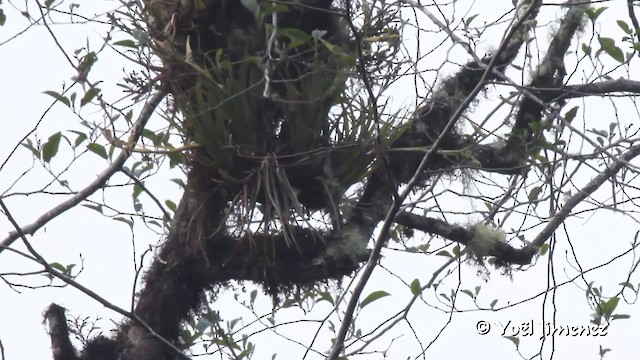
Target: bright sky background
x,y
33,64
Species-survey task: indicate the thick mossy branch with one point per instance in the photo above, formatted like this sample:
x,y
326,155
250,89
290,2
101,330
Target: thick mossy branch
x,y
61,346
200,255
550,75
504,253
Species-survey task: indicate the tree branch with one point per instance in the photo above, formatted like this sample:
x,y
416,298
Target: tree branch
x,y
587,190
502,251
61,346
592,89
550,74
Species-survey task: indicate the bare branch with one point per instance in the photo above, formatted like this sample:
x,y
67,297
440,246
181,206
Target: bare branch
x,y
592,89
587,190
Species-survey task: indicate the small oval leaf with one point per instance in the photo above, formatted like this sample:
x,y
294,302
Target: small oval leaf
x,y
88,96
59,97
416,288
50,148
373,297
609,46
327,297
171,205
98,149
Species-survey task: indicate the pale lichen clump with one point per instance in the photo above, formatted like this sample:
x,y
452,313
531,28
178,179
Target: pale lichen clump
x,y
484,239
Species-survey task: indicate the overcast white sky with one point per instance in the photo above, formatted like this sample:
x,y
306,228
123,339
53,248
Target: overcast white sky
x,y
32,64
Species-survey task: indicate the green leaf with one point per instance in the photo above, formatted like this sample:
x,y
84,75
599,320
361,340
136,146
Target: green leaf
x,y
58,266
85,65
186,337
59,97
373,297
594,13
89,95
423,247
444,253
327,297
295,35
48,3
124,220
624,26
620,316
137,190
3,17
628,285
469,20
171,205
50,148
146,133
513,339
180,182
416,288
612,127
289,303
232,324
468,292
97,208
98,149
609,46
543,249
609,306
493,303
571,114
534,193
175,158
79,139
137,205
69,269
72,97
126,43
